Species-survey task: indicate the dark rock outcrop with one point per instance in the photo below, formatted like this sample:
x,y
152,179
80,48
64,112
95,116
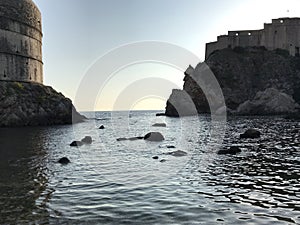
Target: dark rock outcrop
x,y
154,136
251,133
32,104
101,127
254,81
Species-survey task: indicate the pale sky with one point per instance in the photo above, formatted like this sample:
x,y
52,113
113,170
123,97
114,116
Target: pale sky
x,y
78,32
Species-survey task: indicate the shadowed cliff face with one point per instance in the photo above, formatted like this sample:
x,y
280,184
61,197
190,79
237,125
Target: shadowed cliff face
x,y
242,74
30,104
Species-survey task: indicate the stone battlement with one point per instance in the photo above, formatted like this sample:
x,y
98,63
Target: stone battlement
x,y
282,33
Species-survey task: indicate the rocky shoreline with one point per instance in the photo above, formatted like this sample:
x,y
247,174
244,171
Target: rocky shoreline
x,y
33,104
254,81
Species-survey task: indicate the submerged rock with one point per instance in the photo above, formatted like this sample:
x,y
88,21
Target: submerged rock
x,y
251,133
177,153
87,140
154,136
64,160
171,146
122,139
135,138
160,114
159,125
232,150
162,160
76,143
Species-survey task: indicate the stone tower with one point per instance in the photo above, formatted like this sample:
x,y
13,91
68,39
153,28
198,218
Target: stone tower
x,y
20,41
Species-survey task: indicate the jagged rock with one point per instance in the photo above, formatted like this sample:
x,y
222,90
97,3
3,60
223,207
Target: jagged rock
x,y
159,125
241,75
33,104
154,136
232,150
101,127
177,153
180,104
64,160
87,140
251,133
270,101
76,143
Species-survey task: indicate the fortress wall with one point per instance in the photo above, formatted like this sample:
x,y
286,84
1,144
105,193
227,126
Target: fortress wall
x,y
213,46
20,41
17,68
282,33
244,38
293,37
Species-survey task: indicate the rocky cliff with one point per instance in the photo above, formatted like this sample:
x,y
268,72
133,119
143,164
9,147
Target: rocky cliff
x,y
254,81
32,104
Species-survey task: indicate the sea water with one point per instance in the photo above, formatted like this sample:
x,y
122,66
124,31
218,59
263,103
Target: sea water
x,y
119,182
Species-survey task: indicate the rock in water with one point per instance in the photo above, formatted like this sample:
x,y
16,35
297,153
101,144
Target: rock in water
x,y
232,150
171,146
101,127
155,157
76,143
177,153
159,125
87,140
64,160
33,104
154,136
251,133
160,114
122,139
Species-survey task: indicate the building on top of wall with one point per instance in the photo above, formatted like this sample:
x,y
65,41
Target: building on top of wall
x,y
282,33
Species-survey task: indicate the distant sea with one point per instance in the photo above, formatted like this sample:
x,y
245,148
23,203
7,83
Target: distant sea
x,y
119,182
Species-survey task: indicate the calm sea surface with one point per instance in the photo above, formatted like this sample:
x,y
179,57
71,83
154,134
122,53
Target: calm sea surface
x,y
111,182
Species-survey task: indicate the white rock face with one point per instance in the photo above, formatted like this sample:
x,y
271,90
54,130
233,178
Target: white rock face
x,y
270,101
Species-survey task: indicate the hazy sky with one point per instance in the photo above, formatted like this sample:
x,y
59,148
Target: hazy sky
x,y
78,32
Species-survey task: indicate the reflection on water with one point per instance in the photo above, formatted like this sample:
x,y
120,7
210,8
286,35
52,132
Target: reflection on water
x,y
110,182
22,175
